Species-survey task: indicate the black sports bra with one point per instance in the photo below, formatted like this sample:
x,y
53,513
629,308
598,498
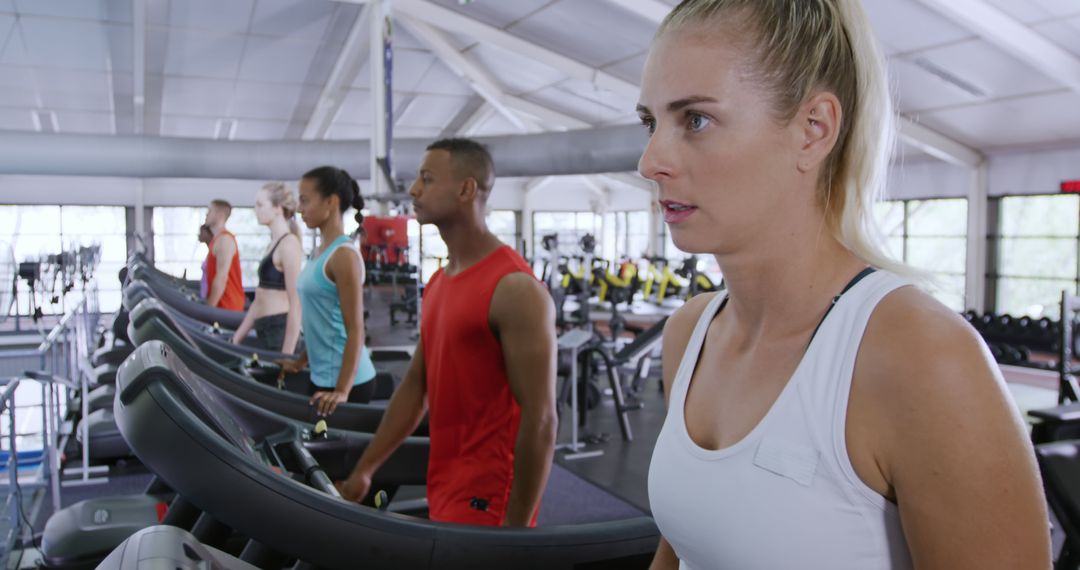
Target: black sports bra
x,y
269,276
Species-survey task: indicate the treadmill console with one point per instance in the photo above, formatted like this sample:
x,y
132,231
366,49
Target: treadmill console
x,y
206,403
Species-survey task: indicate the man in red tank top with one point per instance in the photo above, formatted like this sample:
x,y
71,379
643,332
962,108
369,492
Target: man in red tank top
x,y
484,369
225,287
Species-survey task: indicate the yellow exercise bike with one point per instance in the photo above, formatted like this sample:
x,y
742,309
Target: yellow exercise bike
x,y
660,277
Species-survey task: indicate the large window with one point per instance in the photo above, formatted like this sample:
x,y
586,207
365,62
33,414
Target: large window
x,y
38,231
105,226
177,249
571,227
431,253
625,234
1037,253
890,217
676,257
504,224
936,241
311,236
930,235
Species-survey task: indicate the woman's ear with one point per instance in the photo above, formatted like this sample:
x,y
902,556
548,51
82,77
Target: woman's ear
x,y
816,128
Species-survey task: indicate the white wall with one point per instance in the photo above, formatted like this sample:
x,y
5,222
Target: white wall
x,y
509,194
66,190
927,179
1033,172
78,190
1009,173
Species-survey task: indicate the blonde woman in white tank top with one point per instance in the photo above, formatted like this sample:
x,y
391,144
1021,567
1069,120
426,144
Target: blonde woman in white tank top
x,y
820,415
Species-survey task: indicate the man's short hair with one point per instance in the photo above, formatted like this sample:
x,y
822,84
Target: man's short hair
x,y
222,205
471,158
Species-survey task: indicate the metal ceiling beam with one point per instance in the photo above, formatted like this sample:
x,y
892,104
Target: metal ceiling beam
x,y
450,20
481,81
464,114
551,119
118,64
1013,36
923,138
938,145
156,50
472,124
478,79
342,18
354,54
596,187
138,20
538,183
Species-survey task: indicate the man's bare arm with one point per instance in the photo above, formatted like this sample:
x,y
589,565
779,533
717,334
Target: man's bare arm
x,y
523,316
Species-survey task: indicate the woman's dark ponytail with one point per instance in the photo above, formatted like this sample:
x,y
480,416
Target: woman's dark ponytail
x,y
331,180
358,203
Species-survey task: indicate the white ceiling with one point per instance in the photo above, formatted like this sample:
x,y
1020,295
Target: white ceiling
x,y
263,64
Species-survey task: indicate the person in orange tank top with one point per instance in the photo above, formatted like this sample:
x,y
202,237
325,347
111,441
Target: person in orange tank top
x,y
484,368
226,288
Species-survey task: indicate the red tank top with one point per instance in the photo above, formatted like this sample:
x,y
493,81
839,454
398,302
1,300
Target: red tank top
x,y
472,414
233,297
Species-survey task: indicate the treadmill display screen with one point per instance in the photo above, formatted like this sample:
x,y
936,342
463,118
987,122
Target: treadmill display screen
x,y
207,404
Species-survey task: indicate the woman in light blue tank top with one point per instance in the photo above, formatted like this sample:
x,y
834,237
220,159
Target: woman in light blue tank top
x,y
330,288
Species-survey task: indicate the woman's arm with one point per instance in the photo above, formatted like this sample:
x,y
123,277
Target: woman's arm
x,y
291,256
246,324
930,411
344,269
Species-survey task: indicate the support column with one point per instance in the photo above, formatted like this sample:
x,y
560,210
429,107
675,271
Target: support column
x,y
381,93
527,227
656,225
140,212
975,274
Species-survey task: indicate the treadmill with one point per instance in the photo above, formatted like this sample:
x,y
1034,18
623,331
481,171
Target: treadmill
x,y
185,302
265,480
78,537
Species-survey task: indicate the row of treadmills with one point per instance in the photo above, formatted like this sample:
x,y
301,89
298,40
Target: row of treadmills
x,y
243,469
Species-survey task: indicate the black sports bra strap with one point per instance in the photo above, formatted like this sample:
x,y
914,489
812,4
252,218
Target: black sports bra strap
x,y
277,243
854,281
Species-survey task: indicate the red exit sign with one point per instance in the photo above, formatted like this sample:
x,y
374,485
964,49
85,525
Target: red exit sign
x,y
1071,186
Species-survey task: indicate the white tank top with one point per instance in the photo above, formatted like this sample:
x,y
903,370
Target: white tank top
x,y
786,495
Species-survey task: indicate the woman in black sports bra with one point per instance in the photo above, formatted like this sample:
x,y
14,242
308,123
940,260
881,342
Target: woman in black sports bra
x,y
275,313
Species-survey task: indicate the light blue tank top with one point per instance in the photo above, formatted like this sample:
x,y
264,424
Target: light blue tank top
x,y
324,327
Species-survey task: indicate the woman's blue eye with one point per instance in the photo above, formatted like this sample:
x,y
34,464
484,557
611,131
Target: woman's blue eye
x,y
697,122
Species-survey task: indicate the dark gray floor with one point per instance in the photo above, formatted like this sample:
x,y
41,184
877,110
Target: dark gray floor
x,y
623,468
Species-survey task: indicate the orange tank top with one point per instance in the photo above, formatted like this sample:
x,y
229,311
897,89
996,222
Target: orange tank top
x,y
233,297
472,414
